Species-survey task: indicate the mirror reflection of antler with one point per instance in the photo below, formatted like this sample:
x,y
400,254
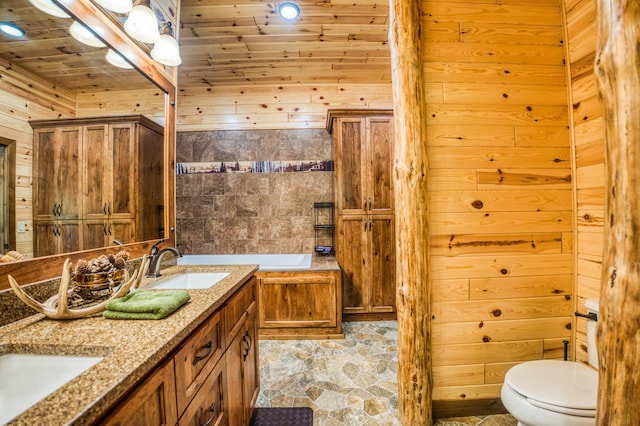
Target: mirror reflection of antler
x,y
62,311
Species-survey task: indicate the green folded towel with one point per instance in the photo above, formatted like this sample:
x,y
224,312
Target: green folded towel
x,y
146,304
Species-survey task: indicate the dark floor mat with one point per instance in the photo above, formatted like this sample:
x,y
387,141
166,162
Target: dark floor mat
x,y
285,416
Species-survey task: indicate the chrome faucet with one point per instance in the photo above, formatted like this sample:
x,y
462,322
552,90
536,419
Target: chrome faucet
x,y
155,255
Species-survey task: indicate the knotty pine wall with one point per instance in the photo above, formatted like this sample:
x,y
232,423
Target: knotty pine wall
x,y
588,129
501,210
24,97
148,102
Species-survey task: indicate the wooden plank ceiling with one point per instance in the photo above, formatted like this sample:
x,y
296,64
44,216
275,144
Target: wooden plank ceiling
x,y
246,42
223,42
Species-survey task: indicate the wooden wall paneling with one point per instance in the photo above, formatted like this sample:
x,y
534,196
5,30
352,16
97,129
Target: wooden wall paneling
x,y
500,201
501,331
468,393
147,102
528,286
24,97
456,375
501,205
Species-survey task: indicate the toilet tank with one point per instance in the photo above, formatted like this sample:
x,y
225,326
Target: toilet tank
x,y
593,306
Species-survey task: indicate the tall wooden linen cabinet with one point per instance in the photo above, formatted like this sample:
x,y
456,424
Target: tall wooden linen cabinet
x,y
365,240
96,180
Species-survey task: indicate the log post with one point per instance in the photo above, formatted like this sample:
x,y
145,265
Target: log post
x,y
411,210
617,70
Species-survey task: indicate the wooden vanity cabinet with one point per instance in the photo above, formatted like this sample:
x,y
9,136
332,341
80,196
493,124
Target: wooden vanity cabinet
x,y
212,378
300,305
365,240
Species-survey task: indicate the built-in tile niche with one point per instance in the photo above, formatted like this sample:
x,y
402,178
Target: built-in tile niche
x,y
265,206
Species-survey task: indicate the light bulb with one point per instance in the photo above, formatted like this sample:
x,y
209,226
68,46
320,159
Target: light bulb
x,y
166,50
49,7
142,23
117,60
84,35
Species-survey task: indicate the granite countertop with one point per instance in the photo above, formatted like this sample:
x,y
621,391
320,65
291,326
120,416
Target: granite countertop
x,y
131,349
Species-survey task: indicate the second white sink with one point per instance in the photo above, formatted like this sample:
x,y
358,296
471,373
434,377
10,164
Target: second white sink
x,y
25,379
190,281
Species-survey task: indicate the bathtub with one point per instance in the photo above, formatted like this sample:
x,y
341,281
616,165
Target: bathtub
x,y
267,262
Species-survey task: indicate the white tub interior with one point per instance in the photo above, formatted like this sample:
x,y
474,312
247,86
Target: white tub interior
x,y
267,262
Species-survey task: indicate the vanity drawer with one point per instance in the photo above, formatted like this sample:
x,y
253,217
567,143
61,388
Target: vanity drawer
x,y
197,357
207,408
239,307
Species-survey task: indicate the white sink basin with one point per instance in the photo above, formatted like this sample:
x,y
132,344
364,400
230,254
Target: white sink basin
x,y
25,379
190,281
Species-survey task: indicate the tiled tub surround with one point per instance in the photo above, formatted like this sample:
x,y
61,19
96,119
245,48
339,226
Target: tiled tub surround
x,y
131,349
250,212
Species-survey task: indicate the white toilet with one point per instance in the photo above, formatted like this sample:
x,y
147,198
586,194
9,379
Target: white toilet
x,y
553,392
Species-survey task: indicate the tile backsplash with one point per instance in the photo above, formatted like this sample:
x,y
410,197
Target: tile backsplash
x,y
250,210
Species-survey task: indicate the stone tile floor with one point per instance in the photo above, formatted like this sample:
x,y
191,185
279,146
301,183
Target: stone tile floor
x,y
346,382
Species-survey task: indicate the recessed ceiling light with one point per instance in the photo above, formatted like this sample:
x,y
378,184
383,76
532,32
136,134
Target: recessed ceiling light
x,y
9,28
288,10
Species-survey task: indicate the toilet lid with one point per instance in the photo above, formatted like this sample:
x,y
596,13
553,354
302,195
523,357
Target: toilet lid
x,y
561,386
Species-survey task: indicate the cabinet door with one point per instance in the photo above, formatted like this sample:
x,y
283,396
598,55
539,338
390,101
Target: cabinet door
x,y
94,233
121,181
153,403
123,230
207,406
54,237
382,264
298,300
45,237
353,259
96,167
379,165
350,163
242,373
57,179
233,397
250,366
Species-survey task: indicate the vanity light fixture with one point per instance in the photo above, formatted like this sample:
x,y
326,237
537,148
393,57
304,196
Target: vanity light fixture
x,y
142,23
117,60
11,29
288,10
49,7
117,6
166,50
84,35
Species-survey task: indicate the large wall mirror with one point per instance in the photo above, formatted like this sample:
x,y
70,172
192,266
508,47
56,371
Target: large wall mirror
x,y
79,82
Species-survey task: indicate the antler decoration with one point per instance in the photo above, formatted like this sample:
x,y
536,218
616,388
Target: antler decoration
x,y
62,311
